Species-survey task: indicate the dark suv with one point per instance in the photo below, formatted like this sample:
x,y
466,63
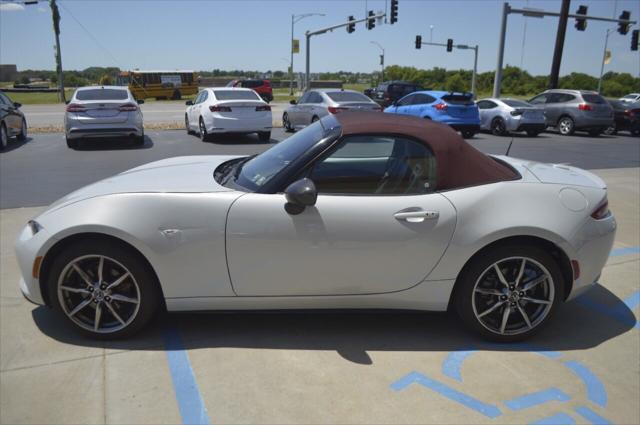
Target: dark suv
x,y
571,110
390,91
262,87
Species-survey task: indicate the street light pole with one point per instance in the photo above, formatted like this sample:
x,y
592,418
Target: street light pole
x,y
381,60
430,33
294,19
604,56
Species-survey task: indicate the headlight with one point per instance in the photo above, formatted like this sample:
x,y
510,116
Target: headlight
x,y
34,226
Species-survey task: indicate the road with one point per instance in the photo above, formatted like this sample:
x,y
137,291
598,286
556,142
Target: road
x,y
43,169
39,116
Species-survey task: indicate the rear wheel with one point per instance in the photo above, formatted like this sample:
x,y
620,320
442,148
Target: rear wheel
x,y
468,134
566,126
203,131
314,119
104,289
23,131
498,127
4,137
186,124
264,136
510,292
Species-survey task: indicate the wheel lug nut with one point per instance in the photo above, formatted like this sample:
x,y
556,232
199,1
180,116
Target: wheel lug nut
x,y
521,293
103,287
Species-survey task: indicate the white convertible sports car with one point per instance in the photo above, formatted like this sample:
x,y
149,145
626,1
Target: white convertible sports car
x,y
359,210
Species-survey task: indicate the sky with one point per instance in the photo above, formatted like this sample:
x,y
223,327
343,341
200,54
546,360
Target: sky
x,y
255,35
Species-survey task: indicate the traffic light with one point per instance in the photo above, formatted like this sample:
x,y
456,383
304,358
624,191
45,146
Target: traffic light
x,y
381,59
449,45
624,28
581,23
634,39
394,12
352,26
371,22
418,41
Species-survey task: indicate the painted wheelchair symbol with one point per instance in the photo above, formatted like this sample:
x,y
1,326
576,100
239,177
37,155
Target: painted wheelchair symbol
x,y
452,366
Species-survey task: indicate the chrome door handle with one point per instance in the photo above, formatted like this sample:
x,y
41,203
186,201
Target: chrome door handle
x,y
416,216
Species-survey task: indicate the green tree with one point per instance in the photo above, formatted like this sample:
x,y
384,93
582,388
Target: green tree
x,y
106,80
455,82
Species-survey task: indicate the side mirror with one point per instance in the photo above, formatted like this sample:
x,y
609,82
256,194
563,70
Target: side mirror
x,y
189,102
17,104
140,102
300,194
293,102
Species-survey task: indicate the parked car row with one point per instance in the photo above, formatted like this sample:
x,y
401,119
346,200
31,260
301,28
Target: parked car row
x,y
12,121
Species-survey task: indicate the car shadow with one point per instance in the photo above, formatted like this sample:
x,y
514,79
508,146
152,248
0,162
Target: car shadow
x,y
351,334
108,144
518,135
239,139
14,144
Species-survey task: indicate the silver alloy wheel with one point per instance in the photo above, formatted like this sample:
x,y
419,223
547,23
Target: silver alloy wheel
x,y
285,121
99,294
203,129
24,128
513,296
3,137
186,124
565,126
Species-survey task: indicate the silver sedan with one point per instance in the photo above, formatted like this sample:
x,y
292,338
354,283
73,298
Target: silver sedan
x,y
103,111
502,116
316,104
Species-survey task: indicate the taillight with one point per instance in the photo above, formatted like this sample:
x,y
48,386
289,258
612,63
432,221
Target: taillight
x,y
602,211
377,108
74,107
335,110
585,107
516,112
440,106
214,108
128,107
263,108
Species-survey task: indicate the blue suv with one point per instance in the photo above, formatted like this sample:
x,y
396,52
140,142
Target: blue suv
x,y
457,110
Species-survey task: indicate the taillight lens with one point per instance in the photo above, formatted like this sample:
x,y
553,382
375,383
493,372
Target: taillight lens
x,y
263,108
335,110
585,107
128,107
602,211
74,107
214,108
516,112
440,106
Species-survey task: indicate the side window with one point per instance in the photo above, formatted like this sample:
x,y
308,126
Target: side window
x,y
423,99
314,97
205,95
539,100
304,98
376,165
486,104
198,97
407,100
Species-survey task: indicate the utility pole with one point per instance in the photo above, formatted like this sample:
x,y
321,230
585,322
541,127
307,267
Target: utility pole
x,y
604,57
55,13
557,52
294,19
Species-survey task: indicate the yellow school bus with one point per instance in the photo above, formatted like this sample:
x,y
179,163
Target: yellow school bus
x,y
159,84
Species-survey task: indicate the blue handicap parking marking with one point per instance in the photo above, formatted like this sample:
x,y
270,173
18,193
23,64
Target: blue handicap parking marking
x,y
625,251
452,369
534,399
557,419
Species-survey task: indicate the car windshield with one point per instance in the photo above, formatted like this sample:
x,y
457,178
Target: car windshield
x,y
260,170
102,94
631,96
345,96
516,103
236,95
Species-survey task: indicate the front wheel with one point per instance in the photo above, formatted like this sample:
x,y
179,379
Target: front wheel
x,y
186,124
566,126
509,293
204,136
286,123
22,136
498,127
104,289
4,137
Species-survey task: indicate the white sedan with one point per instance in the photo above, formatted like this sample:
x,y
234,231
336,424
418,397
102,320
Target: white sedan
x,y
228,110
359,210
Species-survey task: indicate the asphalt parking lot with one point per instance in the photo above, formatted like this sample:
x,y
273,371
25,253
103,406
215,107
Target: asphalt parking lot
x,y
318,367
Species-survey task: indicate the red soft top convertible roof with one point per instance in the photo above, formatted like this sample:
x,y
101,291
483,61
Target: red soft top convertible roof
x,y
458,163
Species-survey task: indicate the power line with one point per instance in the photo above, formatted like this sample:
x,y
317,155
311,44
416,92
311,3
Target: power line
x,y
89,33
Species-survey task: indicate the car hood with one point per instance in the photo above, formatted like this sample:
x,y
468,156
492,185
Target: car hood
x,y
186,174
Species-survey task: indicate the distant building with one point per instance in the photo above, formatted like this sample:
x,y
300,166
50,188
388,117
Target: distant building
x,y
8,72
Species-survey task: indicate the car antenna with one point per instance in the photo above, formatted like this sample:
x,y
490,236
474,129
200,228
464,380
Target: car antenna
x,y
509,148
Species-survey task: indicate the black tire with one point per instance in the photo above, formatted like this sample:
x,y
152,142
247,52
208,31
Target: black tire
x,y
566,126
72,143
499,127
468,134
533,133
186,124
4,137
595,133
481,265
286,124
143,279
264,136
138,140
314,119
22,136
204,136
611,130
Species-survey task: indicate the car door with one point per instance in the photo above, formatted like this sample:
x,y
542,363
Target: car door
x,y
556,106
487,110
540,101
421,105
377,225
193,118
314,107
